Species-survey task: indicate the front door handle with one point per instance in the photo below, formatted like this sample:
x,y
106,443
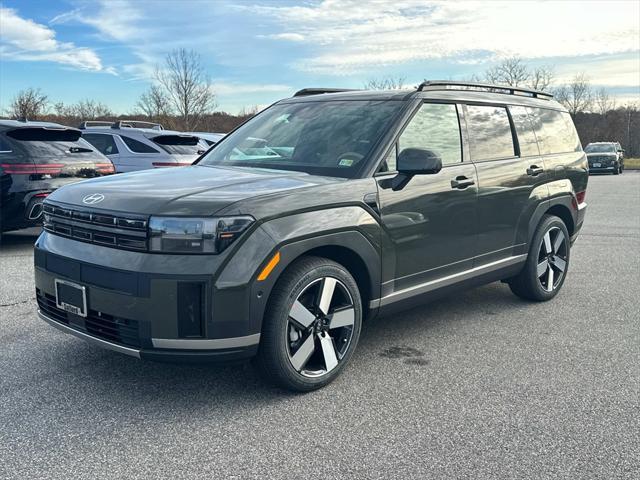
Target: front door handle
x,y
534,170
461,182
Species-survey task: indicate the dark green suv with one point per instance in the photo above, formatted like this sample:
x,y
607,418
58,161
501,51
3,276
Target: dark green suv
x,y
326,208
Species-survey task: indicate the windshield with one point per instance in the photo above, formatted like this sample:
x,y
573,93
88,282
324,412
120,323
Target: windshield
x,y
600,148
321,138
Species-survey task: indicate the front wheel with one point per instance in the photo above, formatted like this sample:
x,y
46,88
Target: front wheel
x,y
617,170
547,263
312,325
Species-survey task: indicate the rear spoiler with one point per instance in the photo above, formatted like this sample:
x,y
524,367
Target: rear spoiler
x,y
45,134
173,139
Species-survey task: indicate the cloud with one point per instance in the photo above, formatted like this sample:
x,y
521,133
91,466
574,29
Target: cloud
x,y
292,37
346,37
228,88
26,40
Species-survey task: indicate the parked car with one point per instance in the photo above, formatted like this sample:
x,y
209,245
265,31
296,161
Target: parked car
x,y
605,157
325,208
133,145
35,159
209,138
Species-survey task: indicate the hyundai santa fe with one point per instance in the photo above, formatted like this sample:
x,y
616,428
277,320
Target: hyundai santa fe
x,y
325,209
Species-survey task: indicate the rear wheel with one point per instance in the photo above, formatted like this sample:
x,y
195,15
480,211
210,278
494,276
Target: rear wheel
x,y
312,325
547,263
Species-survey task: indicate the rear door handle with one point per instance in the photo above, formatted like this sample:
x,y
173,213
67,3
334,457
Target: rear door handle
x,y
461,182
534,170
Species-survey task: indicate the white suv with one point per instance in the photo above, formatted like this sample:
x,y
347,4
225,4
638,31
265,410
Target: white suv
x,y
133,145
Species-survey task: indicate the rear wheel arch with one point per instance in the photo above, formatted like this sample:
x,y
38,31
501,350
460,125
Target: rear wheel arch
x,y
563,213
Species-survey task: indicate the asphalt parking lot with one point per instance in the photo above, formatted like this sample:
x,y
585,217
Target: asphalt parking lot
x,y
476,385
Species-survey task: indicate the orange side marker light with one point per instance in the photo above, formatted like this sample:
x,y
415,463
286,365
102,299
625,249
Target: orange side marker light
x,y
269,267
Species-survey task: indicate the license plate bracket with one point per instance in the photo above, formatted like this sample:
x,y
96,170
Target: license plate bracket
x,y
71,297
597,165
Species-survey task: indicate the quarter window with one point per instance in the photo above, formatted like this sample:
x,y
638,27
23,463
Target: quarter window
x,y
434,127
138,147
102,142
524,130
555,131
490,134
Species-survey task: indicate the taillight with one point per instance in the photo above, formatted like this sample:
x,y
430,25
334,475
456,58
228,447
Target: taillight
x,y
41,195
30,169
580,196
105,168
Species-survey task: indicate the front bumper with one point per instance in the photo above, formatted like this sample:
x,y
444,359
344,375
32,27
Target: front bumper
x,y
608,168
137,305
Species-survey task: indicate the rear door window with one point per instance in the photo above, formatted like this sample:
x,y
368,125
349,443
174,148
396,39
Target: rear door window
x,y
138,147
434,127
555,131
490,134
103,142
524,130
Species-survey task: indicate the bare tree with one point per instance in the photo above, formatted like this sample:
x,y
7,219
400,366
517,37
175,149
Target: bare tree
x,y
155,103
512,71
83,110
385,83
576,96
515,73
30,103
541,78
187,86
603,101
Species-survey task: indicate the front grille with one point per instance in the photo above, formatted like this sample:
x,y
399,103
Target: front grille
x,y
599,159
98,324
116,231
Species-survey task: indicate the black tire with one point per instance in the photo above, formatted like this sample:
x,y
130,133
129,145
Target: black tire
x,y
616,170
528,284
277,344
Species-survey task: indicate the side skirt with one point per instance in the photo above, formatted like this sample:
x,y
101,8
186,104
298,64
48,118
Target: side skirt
x,y
479,275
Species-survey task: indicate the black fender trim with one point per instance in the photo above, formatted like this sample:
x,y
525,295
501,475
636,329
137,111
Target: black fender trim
x,y
351,240
566,202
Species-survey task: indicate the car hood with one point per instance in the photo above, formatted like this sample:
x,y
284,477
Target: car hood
x,y
604,154
194,190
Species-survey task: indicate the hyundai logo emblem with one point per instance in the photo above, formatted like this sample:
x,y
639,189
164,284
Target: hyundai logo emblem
x,y
93,198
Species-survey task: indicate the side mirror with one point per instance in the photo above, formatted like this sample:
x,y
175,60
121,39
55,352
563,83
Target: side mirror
x,y
414,161
418,161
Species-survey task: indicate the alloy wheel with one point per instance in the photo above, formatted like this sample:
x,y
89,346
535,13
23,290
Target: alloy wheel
x,y
552,259
320,327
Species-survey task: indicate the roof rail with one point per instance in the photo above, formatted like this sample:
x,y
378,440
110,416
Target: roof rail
x,y
132,123
486,87
316,91
94,123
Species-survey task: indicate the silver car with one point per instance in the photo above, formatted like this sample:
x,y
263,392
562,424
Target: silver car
x,y
133,145
209,138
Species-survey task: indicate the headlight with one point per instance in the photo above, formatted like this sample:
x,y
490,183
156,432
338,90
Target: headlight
x,y
195,235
